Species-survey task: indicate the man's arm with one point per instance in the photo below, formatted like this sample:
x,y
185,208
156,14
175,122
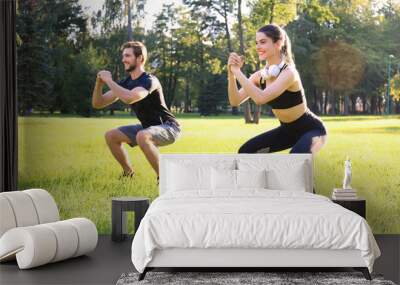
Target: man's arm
x,y
125,95
99,100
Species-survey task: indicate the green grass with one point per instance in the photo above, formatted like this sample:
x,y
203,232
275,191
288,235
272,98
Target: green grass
x,y
69,157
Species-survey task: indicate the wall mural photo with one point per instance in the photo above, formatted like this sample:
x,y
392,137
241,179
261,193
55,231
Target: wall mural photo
x,y
105,87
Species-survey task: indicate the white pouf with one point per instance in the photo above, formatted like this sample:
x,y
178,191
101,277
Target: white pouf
x,y
31,232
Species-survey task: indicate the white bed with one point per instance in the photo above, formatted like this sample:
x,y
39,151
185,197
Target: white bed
x,y
215,211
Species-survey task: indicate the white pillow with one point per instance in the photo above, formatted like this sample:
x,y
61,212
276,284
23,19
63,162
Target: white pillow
x,y
293,180
251,178
227,179
223,179
183,178
285,174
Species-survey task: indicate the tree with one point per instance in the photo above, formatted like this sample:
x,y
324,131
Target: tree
x,y
137,14
188,48
240,36
166,57
210,102
47,31
395,91
214,8
339,66
218,9
307,33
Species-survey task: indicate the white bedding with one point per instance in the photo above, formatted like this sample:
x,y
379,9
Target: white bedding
x,y
250,219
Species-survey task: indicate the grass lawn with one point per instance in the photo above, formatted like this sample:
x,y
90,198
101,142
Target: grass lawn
x,y
68,157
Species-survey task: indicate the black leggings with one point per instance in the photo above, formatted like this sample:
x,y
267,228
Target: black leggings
x,y
296,135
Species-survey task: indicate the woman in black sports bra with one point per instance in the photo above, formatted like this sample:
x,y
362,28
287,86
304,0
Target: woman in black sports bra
x,y
279,86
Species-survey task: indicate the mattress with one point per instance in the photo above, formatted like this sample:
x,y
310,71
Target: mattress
x,y
250,219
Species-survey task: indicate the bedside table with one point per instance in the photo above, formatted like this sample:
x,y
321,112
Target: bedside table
x,y
357,205
119,207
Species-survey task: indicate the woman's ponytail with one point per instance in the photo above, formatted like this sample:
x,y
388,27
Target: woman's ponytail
x,y
286,49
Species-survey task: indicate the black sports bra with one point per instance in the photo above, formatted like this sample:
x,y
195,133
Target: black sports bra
x,y
287,99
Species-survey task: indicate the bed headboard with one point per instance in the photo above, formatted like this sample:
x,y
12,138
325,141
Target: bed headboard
x,y
232,161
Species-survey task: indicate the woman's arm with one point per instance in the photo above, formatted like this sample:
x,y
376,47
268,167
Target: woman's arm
x,y
237,97
273,90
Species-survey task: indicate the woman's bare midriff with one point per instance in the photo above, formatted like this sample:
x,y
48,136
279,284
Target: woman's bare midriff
x,y
290,114
293,113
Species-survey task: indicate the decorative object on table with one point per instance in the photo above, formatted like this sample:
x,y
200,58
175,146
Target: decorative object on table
x,y
31,231
118,214
347,192
347,174
244,278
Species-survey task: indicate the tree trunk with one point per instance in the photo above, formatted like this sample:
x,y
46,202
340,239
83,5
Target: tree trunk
x,y
271,18
373,105
377,105
187,97
228,34
128,3
321,103
202,66
346,104
175,81
326,103
164,63
353,99
257,114
171,71
253,117
364,100
248,118
241,44
315,103
333,102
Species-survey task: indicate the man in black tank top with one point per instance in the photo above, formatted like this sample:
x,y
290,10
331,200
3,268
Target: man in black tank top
x,y
143,92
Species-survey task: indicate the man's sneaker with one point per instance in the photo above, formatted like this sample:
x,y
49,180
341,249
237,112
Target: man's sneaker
x,y
127,175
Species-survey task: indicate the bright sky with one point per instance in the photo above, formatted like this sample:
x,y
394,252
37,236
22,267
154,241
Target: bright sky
x,y
152,8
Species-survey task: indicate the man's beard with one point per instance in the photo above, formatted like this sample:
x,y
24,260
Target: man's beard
x,y
131,68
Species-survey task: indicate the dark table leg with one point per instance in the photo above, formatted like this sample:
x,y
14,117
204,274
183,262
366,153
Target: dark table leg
x,y
140,211
118,222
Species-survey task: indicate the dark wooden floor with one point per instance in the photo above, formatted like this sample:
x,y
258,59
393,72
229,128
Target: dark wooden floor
x,y
110,260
